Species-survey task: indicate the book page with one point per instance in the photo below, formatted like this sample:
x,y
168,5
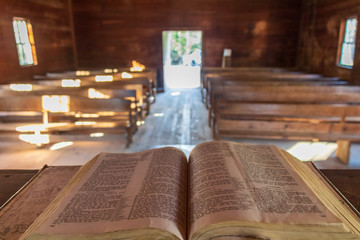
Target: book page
x,y
252,183
123,192
31,201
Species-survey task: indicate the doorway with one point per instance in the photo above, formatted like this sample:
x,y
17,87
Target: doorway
x,y
182,58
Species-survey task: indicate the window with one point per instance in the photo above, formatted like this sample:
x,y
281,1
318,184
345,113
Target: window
x,y
25,43
346,58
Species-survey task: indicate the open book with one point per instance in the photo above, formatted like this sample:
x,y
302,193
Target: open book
x,y
223,191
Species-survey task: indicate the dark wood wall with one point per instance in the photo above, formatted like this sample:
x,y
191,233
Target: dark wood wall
x,y
111,33
52,32
319,38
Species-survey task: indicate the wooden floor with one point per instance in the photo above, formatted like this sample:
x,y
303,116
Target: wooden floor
x,y
177,118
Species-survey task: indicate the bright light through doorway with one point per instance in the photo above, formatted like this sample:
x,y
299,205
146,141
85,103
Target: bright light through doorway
x,y
182,58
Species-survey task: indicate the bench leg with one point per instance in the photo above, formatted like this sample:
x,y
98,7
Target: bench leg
x,y
210,115
202,93
343,150
215,131
130,131
147,107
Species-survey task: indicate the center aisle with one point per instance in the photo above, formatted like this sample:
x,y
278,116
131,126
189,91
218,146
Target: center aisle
x,y
178,118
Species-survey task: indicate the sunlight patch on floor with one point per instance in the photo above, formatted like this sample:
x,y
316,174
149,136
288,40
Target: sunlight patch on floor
x,y
312,151
175,93
158,115
180,76
60,145
97,135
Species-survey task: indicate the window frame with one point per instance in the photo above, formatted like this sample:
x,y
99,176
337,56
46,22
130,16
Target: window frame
x,y
342,40
20,42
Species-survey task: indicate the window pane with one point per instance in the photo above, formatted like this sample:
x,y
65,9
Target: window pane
x,y
23,32
28,53
21,54
347,55
16,31
350,32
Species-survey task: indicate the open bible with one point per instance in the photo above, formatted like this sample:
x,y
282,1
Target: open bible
x,y
223,191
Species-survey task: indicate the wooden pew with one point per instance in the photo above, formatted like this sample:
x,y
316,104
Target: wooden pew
x,y
115,89
262,77
105,90
18,111
29,112
110,90
285,93
21,109
329,113
150,86
215,71
207,72
137,84
112,115
143,93
218,82
282,94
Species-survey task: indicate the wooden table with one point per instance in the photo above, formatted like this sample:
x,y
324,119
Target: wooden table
x,y
50,181
11,181
347,182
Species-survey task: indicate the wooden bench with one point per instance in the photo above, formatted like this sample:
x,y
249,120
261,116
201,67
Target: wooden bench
x,y
150,85
236,82
108,90
207,72
21,109
29,114
257,78
141,85
16,111
93,115
329,113
282,93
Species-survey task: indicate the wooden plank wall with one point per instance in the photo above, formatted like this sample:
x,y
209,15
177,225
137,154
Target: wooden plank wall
x,y
319,36
260,33
52,33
